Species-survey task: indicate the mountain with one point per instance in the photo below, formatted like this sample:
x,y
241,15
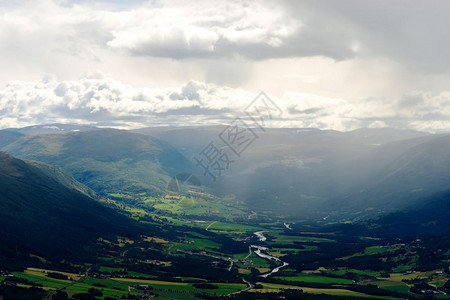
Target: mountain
x,y
310,171
56,128
381,136
188,140
301,149
41,216
300,172
403,173
107,160
7,137
63,178
191,139
429,216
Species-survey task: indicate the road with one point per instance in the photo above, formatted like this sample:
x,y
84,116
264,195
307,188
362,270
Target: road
x,y
249,287
207,228
81,279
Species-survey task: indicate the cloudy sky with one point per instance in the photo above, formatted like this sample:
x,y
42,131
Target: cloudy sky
x,y
327,64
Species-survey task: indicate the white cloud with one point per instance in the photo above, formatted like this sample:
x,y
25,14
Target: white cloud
x,y
167,28
100,100
174,29
214,28
227,29
356,56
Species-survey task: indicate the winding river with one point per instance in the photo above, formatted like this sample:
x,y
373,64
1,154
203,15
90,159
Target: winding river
x,y
259,251
260,235
287,225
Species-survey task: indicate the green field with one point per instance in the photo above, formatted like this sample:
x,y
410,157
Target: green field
x,y
342,271
392,286
283,251
108,290
111,269
279,238
198,244
138,274
220,226
198,206
372,251
334,292
315,279
375,250
247,265
174,287
39,277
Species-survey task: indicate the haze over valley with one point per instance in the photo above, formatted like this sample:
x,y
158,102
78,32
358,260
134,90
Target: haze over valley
x,y
224,150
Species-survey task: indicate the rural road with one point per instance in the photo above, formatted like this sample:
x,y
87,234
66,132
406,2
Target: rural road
x,y
207,228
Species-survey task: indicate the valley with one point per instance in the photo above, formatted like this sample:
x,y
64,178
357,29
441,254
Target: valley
x,y
240,149
112,222
198,260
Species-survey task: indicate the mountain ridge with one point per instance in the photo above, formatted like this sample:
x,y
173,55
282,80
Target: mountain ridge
x,y
41,216
106,160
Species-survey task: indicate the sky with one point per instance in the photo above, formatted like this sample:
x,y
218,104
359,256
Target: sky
x,y
330,64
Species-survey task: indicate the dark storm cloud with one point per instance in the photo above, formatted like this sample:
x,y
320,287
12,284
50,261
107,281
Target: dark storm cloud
x,y
413,33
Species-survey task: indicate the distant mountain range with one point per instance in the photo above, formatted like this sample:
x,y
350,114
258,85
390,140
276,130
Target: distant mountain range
x,y
298,172
52,129
310,171
389,183
106,160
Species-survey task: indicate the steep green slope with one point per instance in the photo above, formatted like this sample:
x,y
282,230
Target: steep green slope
x,y
7,137
39,215
107,160
407,177
63,178
429,216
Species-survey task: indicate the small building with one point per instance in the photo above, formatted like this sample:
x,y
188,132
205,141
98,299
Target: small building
x,y
143,286
9,283
145,296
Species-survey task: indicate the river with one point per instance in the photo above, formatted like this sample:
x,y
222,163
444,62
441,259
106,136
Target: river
x,y
260,235
259,251
287,225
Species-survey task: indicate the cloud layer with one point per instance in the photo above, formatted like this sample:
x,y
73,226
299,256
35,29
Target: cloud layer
x,y
161,28
412,34
99,100
204,28
340,66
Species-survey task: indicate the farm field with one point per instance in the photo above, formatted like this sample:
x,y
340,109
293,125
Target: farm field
x,y
176,264
269,287
316,279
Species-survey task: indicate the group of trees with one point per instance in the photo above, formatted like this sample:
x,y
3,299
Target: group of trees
x,y
18,293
